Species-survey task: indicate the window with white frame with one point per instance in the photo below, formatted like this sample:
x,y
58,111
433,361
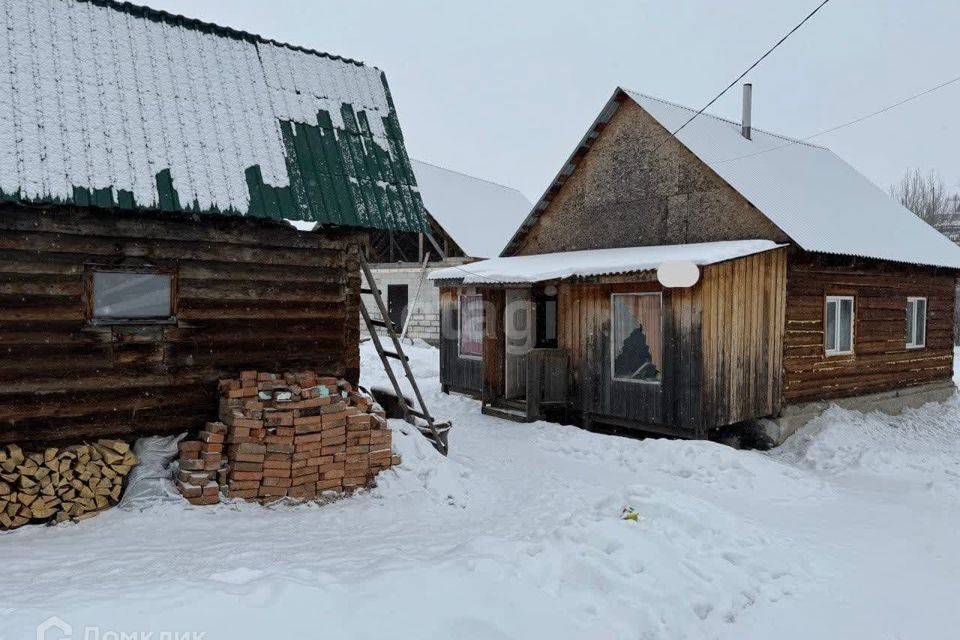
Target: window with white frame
x,y
916,322
636,337
838,330
471,326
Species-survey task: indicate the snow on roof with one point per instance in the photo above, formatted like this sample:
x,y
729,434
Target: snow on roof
x,y
815,197
116,105
479,215
597,262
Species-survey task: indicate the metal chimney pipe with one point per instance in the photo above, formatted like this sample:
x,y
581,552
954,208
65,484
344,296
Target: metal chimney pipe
x,y
747,107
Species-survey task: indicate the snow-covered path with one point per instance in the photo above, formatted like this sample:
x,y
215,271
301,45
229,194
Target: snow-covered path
x,y
848,531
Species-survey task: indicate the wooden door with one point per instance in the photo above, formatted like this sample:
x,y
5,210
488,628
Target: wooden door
x,y
519,332
397,301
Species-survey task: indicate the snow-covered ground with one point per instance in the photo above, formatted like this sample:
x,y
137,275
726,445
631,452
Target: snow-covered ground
x,y
847,531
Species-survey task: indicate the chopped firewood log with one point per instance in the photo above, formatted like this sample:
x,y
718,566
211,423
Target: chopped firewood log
x,y
109,455
61,484
119,446
15,453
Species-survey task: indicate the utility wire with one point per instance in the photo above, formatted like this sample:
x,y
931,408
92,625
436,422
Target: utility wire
x,y
717,97
741,76
841,126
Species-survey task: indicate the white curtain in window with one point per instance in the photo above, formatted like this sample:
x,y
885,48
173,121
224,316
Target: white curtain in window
x,y
471,325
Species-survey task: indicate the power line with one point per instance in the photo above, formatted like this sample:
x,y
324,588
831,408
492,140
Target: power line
x,y
841,126
741,76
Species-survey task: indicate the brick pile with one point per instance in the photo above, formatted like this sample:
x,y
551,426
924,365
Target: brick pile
x,y
293,435
203,466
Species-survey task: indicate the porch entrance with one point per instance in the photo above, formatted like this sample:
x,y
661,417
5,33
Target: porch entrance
x,y
534,369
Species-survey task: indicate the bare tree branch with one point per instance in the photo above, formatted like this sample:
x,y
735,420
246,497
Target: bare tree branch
x,y
925,195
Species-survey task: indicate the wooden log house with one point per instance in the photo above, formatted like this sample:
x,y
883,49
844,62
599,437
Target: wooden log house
x,y
825,290
179,201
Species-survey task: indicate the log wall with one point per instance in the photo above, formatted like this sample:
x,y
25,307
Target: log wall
x,y
251,294
880,361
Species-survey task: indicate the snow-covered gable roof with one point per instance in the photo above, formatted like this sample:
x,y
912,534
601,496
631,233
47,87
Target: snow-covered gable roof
x,y
596,262
115,105
821,202
478,215
816,198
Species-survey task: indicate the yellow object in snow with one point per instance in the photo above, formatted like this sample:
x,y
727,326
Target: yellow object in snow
x,y
628,513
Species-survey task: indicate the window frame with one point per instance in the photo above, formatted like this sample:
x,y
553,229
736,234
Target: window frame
x,y
541,302
460,353
613,355
926,304
89,295
853,324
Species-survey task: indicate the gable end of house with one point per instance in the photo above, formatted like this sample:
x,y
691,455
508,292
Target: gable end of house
x,y
616,192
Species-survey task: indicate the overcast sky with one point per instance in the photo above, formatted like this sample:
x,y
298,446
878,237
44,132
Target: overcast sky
x,y
504,89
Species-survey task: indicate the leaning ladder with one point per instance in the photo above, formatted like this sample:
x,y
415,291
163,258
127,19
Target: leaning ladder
x,y
435,432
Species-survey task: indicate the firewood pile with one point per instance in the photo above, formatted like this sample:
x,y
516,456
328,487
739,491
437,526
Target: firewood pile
x,y
59,484
293,435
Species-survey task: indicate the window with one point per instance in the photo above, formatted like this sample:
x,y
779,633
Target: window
x,y
838,333
916,322
636,337
471,326
546,310
130,295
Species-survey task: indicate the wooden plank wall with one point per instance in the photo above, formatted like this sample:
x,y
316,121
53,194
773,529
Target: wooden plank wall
x,y
547,379
584,331
742,326
464,375
881,361
253,294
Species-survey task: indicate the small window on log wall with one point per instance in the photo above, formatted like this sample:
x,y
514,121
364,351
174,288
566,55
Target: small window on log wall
x,y
130,296
916,323
838,325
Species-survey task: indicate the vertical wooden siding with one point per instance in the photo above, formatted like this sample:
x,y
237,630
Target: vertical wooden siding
x,y
457,374
584,331
881,361
252,294
743,312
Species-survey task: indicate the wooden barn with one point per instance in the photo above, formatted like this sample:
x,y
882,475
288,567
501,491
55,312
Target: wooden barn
x,y
179,201
722,276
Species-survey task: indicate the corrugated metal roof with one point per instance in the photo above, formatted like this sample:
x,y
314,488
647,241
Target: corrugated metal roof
x,y
597,262
816,198
120,106
478,214
821,202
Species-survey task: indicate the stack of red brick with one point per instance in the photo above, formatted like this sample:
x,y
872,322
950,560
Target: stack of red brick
x,y
291,435
203,466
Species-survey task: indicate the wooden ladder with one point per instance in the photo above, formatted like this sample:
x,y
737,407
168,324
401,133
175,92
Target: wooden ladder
x,y
435,432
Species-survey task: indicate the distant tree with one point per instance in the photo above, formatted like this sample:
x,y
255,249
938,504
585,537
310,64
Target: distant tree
x,y
925,195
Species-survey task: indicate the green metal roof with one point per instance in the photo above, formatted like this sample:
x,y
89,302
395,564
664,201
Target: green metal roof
x,y
115,105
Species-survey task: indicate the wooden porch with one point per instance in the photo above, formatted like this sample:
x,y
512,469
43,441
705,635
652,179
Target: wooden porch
x,y
547,384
